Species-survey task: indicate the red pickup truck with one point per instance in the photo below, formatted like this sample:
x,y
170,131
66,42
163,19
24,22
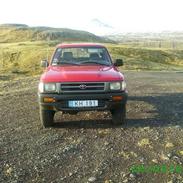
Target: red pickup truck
x,y
82,77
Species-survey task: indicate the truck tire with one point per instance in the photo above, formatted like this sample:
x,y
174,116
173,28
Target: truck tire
x,y
119,115
47,117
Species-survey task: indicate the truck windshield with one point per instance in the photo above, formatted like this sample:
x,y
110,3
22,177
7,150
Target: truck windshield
x,y
81,56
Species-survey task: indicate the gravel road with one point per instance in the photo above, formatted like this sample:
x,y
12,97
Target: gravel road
x,y
87,147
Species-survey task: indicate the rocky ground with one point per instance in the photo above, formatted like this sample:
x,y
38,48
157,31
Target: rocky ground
x,y
87,147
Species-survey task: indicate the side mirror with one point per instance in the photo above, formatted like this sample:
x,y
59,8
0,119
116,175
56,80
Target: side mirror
x,y
44,63
118,62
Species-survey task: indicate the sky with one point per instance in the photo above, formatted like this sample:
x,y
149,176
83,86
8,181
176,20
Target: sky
x,y
96,16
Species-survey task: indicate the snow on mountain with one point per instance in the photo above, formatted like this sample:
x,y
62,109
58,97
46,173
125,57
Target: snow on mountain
x,y
99,27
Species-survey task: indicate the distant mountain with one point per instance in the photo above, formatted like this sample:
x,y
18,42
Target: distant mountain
x,y
14,25
158,36
22,32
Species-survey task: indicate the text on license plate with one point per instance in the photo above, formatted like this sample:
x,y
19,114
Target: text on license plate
x,y
83,103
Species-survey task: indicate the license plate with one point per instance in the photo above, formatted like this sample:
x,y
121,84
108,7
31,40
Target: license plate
x,y
83,103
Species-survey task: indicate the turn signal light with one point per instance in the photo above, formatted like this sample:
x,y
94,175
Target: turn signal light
x,y
117,98
48,99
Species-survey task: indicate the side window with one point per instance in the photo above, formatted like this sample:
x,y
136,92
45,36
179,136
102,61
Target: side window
x,y
57,55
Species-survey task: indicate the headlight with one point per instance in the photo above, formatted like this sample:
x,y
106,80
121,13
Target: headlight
x,y
118,85
115,86
47,87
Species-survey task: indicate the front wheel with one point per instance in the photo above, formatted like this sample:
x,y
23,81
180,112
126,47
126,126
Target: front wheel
x,y
119,115
47,117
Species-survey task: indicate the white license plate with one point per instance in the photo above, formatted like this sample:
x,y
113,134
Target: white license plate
x,y
83,103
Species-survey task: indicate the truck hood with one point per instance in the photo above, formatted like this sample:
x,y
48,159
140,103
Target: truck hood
x,y
81,74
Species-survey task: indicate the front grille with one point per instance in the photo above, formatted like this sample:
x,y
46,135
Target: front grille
x,y
82,87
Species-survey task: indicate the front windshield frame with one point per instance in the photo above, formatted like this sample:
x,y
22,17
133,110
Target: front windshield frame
x,y
108,61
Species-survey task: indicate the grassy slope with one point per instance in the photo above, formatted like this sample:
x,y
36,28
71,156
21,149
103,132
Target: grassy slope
x,y
24,57
139,58
13,33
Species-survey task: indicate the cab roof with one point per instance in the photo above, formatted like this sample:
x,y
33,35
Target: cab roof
x,y
75,45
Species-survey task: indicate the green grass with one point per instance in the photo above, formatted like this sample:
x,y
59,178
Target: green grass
x,y
23,58
139,58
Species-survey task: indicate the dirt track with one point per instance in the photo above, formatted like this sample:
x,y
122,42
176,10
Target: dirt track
x,y
86,147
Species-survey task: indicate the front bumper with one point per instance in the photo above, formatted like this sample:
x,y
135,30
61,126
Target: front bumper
x,y
105,101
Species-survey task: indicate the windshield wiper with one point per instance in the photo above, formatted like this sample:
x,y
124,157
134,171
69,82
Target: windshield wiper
x,y
94,62
70,63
